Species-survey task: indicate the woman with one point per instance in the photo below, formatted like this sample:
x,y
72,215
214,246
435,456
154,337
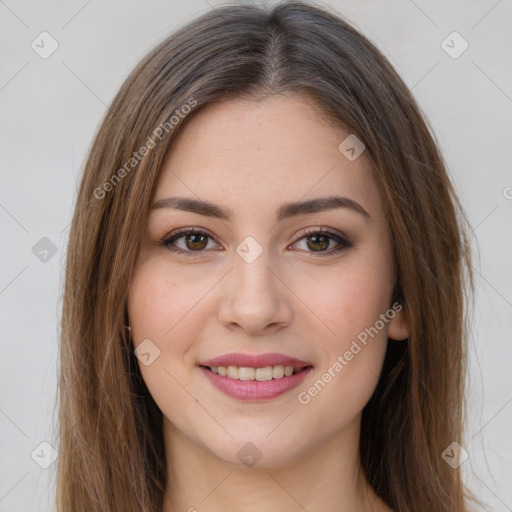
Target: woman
x,y
264,298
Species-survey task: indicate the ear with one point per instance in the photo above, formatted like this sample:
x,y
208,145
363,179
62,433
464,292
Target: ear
x,y
398,325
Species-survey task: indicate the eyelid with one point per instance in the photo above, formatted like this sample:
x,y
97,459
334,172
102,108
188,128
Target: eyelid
x,y
323,229
340,238
187,231
179,233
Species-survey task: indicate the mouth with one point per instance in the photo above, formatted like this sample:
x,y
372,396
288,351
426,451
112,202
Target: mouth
x,y
255,377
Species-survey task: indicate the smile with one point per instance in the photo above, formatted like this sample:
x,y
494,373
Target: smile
x,y
255,377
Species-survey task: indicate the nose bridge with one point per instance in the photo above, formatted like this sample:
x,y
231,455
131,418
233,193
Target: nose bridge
x,y
253,277
256,299
252,262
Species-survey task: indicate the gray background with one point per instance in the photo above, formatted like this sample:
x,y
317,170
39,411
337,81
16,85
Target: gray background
x,y
50,109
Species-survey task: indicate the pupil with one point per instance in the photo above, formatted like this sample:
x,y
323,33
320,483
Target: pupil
x,y
323,239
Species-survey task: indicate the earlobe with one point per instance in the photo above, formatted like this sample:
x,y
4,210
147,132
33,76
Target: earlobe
x,y
398,326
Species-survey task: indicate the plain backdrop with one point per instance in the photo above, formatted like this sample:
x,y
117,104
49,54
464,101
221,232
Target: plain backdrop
x,y
51,108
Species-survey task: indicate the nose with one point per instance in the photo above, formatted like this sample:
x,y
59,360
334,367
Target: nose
x,y
255,299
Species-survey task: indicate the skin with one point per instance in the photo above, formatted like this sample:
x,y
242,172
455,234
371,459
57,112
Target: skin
x,y
252,157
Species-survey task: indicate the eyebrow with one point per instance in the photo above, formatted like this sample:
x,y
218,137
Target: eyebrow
x,y
286,211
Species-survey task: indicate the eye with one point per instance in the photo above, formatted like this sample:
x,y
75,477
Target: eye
x,y
319,241
194,241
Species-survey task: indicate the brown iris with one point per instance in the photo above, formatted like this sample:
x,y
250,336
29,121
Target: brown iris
x,y
196,242
320,242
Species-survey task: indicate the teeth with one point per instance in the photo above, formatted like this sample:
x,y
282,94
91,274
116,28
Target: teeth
x,y
245,373
288,370
262,374
278,371
233,372
259,374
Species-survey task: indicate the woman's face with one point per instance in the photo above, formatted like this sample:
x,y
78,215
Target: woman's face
x,y
257,289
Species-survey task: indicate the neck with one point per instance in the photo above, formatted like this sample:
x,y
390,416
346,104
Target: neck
x,y
327,477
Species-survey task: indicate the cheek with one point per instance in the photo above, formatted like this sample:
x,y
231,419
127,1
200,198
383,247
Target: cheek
x,y
352,354
350,302
161,300
160,308
167,305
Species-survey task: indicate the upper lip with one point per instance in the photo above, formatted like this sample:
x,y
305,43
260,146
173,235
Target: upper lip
x,y
255,360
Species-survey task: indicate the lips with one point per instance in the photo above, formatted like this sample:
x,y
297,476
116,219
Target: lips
x,y
290,373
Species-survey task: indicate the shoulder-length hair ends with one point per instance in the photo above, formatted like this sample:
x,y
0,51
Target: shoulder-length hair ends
x,y
110,429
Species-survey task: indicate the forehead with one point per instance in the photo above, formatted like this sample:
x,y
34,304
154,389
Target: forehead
x,y
257,154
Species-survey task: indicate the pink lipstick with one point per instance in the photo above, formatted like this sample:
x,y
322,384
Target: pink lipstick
x,y
255,377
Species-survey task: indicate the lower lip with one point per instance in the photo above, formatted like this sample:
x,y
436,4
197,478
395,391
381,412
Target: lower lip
x,y
253,390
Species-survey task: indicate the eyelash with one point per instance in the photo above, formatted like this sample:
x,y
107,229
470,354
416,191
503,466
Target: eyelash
x,y
342,242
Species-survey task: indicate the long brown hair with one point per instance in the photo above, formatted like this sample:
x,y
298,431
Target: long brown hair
x,y
111,455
